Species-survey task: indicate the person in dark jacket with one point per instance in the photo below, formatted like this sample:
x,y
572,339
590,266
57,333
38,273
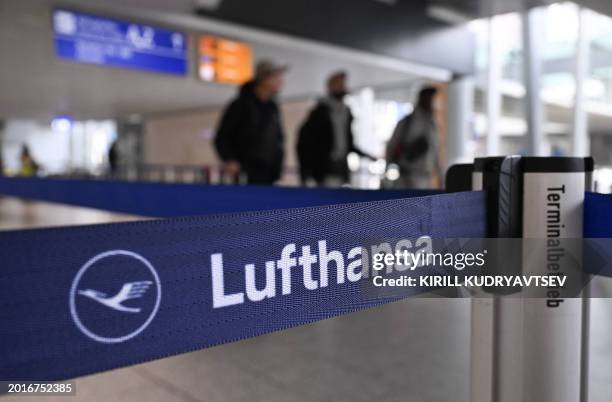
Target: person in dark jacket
x,y
249,138
325,138
113,158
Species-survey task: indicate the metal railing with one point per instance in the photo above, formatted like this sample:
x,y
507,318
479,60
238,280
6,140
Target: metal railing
x,y
208,174
170,173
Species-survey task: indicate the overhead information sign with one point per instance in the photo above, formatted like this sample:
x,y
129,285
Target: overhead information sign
x,y
104,41
224,61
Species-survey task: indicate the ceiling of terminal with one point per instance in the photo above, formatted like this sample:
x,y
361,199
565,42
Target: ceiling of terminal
x,y
471,8
395,28
484,8
35,83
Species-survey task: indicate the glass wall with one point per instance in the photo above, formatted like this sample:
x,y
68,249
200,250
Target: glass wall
x,y
500,62
59,147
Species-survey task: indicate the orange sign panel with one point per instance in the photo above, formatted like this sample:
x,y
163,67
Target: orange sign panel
x,y
224,61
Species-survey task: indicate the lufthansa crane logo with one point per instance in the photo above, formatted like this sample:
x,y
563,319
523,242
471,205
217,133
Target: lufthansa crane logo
x,y
115,296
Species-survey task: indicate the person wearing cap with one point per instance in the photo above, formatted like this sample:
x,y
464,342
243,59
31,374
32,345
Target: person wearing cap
x,y
325,138
249,137
413,147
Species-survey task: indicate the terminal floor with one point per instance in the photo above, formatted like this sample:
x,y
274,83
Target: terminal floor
x,y
414,350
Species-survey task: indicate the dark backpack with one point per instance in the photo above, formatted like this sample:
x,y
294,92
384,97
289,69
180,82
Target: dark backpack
x,y
411,150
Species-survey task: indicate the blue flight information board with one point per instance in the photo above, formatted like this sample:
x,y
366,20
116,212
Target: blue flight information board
x,y
104,41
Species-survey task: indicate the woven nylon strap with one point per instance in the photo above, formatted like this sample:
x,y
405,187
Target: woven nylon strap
x,y
80,300
171,200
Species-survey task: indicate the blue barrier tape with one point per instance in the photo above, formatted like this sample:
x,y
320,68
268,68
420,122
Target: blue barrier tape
x,y
80,300
172,200
597,230
75,301
597,215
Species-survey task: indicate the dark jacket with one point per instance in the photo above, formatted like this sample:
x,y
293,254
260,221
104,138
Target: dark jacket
x,y
316,144
250,133
113,157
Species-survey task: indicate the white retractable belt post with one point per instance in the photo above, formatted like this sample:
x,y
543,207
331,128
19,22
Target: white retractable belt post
x,y
532,349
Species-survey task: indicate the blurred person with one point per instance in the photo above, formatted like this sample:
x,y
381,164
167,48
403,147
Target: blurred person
x,y
113,158
414,148
250,136
29,167
325,138
1,140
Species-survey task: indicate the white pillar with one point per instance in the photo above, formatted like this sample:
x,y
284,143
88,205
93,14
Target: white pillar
x,y
581,147
460,113
1,147
580,134
493,95
533,36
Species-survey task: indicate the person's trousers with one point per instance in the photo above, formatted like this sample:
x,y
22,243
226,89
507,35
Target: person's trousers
x,y
262,175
